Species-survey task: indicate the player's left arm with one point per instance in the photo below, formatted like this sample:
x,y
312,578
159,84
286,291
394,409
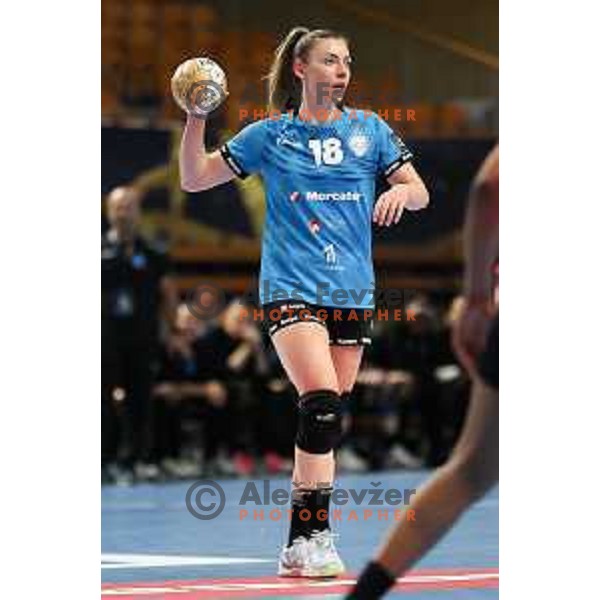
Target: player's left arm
x,y
407,191
470,330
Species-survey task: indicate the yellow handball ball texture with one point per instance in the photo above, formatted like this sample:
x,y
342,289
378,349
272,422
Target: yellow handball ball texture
x,y
199,86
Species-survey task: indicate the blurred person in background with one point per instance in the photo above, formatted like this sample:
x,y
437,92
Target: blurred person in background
x,y
137,297
472,470
377,419
232,352
218,372
176,386
422,350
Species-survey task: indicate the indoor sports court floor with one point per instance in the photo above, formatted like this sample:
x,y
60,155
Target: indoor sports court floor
x,y
152,547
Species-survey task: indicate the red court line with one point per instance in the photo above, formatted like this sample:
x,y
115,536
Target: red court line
x,y
421,580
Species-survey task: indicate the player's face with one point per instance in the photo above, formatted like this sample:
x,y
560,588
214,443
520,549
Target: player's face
x,y
326,73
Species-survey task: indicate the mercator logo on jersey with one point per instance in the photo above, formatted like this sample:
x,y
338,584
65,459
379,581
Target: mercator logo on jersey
x,y
333,196
326,196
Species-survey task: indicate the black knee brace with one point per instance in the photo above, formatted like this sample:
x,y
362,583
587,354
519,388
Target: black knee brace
x,y
319,421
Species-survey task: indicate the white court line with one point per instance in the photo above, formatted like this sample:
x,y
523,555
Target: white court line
x,y
231,587
142,591
146,561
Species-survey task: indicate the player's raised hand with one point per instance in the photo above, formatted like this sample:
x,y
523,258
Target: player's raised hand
x,y
389,206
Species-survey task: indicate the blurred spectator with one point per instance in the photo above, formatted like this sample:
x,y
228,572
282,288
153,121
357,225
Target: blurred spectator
x,y
177,382
219,373
380,406
136,293
410,395
224,406
424,351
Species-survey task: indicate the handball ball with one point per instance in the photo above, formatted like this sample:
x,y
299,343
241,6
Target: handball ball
x,y
199,86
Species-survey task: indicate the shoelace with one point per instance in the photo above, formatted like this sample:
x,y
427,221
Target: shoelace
x,y
296,543
299,549
324,538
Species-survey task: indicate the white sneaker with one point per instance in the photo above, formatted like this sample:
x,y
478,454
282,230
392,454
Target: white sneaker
x,y
315,557
348,460
221,465
182,468
145,471
399,456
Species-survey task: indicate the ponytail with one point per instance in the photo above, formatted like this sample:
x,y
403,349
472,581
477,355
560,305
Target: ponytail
x,y
285,89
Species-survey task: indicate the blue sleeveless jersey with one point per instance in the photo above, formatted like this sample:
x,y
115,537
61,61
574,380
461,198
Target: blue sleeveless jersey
x,y
320,189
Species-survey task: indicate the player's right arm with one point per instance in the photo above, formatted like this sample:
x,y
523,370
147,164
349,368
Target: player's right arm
x,y
199,170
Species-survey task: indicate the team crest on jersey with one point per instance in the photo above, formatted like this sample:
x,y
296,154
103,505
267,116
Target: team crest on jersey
x,y
359,144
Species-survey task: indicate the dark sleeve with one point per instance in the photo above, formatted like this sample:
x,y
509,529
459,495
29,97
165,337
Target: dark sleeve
x,y
393,152
243,153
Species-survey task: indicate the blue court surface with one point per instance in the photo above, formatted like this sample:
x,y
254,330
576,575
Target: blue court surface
x,y
153,547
